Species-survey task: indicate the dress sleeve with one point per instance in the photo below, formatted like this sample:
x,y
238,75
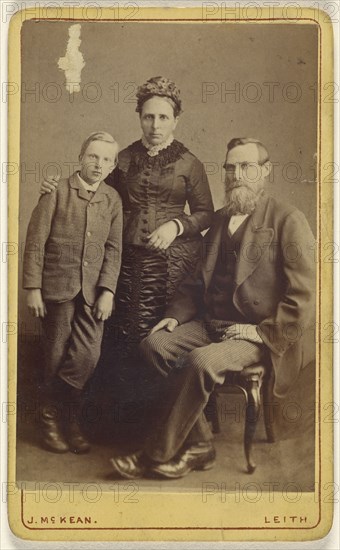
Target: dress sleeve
x,y
117,179
199,200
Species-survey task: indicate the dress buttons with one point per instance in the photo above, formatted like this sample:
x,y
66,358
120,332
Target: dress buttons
x,y
89,206
256,302
89,233
144,230
85,263
145,220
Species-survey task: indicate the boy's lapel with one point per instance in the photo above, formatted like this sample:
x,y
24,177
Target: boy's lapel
x,y
100,193
98,196
76,184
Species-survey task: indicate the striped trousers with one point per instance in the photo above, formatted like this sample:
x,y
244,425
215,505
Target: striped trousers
x,y
192,364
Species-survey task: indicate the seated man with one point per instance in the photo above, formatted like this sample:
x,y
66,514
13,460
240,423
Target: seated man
x,y
252,296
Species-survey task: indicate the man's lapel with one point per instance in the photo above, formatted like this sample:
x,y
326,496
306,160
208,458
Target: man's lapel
x,y
255,240
211,247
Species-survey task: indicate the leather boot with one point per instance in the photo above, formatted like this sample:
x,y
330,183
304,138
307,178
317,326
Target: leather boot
x,y
51,432
77,441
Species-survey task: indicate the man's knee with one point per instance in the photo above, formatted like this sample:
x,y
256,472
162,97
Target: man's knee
x,y
197,360
151,348
146,348
159,351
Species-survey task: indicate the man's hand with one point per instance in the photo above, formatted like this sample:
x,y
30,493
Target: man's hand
x,y
163,236
168,324
103,307
48,185
35,303
242,332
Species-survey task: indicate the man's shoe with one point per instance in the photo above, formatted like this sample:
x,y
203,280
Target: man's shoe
x,y
196,457
132,466
77,441
52,436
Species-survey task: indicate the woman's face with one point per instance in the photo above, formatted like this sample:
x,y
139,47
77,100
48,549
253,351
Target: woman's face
x,y
157,120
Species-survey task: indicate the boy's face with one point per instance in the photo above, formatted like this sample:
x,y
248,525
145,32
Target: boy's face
x,y
98,161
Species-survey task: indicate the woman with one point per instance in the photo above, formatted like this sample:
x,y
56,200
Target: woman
x,y
157,176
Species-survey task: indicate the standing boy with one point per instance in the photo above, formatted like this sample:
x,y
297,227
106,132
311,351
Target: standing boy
x,y
71,265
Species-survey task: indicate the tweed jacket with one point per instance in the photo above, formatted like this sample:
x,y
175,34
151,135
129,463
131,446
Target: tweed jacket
x,y
74,242
274,286
155,190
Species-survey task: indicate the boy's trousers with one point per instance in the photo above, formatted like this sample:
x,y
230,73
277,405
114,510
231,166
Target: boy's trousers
x,y
71,341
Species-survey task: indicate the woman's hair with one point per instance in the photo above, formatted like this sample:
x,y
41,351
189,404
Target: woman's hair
x,y
161,87
97,136
263,153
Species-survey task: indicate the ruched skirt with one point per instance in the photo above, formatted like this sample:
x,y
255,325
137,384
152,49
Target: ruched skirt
x,y
147,283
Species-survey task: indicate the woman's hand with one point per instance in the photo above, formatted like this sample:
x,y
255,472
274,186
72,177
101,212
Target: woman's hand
x,y
103,307
163,236
35,303
48,185
168,324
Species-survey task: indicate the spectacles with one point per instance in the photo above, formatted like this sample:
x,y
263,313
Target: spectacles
x,y
243,165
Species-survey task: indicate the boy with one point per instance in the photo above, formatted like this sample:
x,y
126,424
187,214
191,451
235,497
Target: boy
x,y
71,265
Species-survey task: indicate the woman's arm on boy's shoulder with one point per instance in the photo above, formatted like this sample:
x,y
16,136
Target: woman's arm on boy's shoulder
x,y
117,180
49,184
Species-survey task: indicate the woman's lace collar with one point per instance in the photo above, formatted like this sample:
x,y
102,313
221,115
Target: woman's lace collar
x,y
153,150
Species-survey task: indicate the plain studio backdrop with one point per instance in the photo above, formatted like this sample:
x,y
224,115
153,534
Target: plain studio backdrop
x,y
236,80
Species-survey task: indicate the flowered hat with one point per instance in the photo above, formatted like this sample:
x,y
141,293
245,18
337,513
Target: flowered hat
x,y
162,87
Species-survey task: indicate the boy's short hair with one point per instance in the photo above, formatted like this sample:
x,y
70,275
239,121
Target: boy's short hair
x,y
263,153
97,136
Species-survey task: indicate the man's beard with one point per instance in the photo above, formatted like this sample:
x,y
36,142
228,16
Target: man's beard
x,y
241,199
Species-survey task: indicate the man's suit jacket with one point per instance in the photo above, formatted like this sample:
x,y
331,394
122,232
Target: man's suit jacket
x,y
274,286
74,242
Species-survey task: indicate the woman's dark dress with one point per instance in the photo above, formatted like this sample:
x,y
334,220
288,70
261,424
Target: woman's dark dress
x,y
154,190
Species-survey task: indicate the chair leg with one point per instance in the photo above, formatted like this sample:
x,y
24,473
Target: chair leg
x,y
253,384
268,406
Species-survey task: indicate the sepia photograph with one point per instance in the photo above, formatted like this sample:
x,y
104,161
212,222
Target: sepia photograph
x,y
168,264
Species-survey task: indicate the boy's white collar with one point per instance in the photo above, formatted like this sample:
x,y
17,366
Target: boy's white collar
x,y
88,187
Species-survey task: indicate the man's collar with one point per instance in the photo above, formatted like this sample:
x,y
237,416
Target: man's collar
x,y
257,216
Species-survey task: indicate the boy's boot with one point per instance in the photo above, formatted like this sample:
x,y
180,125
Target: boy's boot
x,y
51,421
74,435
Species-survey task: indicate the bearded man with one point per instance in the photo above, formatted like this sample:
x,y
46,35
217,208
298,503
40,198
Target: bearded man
x,y
251,298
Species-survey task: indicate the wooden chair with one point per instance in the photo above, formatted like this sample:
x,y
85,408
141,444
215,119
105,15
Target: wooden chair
x,y
256,383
